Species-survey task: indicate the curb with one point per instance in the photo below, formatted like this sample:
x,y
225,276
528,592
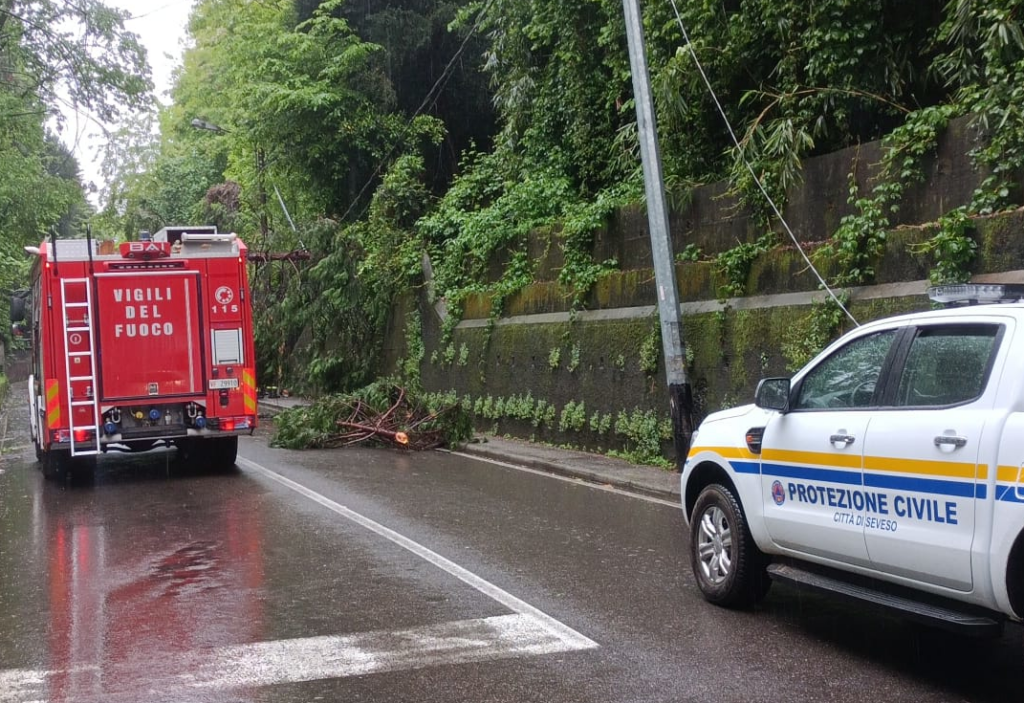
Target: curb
x,y
594,477
563,467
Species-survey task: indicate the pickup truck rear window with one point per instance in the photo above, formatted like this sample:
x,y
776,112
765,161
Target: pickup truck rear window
x,y
947,365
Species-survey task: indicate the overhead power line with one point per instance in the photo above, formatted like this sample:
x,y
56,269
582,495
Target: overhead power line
x,y
750,168
428,102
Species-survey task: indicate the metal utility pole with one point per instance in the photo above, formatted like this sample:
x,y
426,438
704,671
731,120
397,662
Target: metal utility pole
x,y
679,392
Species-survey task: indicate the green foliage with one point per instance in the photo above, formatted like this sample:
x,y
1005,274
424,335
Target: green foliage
x,y
650,350
600,423
819,328
325,101
734,264
314,425
951,248
338,309
580,222
574,358
573,417
554,358
856,245
691,252
74,53
487,210
520,407
644,431
543,414
415,350
55,55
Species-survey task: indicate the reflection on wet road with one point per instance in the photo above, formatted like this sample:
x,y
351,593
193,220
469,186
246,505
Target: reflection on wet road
x,y
361,575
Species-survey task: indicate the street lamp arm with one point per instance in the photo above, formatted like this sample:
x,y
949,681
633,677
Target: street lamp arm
x,y
209,126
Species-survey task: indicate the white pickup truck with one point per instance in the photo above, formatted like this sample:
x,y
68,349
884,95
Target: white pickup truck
x,y
890,470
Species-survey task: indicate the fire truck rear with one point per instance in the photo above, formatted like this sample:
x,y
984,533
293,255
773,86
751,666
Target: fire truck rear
x,y
139,345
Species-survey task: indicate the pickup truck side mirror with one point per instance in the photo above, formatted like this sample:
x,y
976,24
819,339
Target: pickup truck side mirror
x,y
772,394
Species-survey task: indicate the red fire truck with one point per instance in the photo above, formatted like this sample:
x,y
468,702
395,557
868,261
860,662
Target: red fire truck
x,y
141,344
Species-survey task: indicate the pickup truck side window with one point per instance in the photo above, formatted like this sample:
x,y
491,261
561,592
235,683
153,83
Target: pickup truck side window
x,y
847,378
947,365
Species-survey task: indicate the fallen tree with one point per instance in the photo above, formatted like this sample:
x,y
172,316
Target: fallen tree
x,y
382,413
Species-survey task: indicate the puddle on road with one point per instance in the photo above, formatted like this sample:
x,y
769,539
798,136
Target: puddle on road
x,y
191,569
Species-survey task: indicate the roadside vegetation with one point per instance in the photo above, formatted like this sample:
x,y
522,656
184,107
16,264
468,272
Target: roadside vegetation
x,y
55,54
369,135
453,129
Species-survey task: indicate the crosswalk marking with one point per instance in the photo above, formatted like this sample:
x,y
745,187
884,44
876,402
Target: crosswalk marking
x,y
296,660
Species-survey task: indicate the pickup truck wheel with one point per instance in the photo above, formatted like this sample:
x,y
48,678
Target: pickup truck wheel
x,y
728,566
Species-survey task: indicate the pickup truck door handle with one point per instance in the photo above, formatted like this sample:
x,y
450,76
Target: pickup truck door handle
x,y
950,440
846,439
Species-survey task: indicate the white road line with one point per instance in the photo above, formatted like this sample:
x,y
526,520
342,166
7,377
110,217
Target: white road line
x,y
298,660
571,638
570,479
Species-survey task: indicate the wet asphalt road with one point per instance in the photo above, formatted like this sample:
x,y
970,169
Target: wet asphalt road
x,y
377,576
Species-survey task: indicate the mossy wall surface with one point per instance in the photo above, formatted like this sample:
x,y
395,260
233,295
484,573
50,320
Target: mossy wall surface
x,y
596,357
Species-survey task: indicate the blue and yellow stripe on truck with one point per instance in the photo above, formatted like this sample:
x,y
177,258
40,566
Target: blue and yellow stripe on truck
x,y
958,479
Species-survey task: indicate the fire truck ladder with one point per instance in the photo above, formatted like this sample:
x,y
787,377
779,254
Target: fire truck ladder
x,y
76,299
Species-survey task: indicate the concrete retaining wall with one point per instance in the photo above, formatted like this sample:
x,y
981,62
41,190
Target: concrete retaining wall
x,y
595,356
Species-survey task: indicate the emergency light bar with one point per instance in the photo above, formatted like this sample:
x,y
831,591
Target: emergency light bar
x,y
976,293
208,237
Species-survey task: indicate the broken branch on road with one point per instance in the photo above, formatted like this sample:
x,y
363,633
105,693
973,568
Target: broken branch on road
x,y
384,413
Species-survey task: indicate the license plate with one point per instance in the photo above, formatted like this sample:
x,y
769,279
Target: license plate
x,y
221,383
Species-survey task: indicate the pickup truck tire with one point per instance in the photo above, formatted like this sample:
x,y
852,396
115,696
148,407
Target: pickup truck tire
x,y
728,566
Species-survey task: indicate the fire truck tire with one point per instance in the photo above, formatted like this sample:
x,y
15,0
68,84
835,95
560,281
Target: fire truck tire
x,y
83,470
222,452
55,464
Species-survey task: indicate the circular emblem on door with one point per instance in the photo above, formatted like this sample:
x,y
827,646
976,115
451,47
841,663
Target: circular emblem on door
x,y
778,493
224,295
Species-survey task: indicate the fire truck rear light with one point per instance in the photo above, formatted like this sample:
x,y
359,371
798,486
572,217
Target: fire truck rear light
x,y
60,435
227,424
83,435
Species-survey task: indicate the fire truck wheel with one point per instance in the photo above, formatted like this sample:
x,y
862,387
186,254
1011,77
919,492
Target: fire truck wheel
x,y
55,464
83,470
222,452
